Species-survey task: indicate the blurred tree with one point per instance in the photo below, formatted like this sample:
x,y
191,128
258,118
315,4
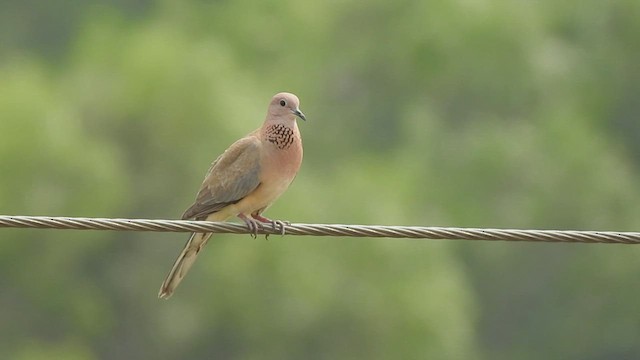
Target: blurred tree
x,y
485,113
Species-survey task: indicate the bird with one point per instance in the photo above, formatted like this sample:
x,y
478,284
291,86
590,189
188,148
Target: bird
x,y
245,180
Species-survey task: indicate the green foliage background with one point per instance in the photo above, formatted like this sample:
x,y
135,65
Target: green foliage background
x,y
445,113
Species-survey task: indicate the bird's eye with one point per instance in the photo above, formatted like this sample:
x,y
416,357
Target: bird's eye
x,y
283,103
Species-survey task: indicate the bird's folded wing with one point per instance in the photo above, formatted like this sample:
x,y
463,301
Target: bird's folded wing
x,y
234,175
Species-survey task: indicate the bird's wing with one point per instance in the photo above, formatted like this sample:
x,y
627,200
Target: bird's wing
x,y
234,175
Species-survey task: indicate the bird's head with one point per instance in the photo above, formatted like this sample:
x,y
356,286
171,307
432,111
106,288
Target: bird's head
x,y
286,105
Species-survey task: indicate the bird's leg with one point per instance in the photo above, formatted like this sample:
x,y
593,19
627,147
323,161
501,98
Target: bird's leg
x,y
274,223
252,224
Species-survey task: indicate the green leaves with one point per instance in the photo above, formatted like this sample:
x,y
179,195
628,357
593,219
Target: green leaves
x,y
493,114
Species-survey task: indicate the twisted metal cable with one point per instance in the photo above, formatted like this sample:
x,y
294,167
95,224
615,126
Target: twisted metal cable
x,y
410,232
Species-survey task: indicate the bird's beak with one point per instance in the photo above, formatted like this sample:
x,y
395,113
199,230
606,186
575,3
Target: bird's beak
x,y
299,114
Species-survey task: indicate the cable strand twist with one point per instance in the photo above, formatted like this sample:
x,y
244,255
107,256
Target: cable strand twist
x,y
368,231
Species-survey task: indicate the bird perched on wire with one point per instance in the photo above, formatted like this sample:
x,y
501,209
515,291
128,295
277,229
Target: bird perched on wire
x,y
245,180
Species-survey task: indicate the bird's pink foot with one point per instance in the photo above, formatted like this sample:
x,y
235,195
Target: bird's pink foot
x,y
252,224
275,224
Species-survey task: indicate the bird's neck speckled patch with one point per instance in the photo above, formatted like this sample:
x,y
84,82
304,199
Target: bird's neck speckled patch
x,y
280,135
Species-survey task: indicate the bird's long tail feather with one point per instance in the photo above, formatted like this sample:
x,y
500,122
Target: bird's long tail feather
x,y
183,263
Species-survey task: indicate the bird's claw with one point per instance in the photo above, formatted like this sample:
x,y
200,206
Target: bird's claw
x,y
275,224
280,223
253,225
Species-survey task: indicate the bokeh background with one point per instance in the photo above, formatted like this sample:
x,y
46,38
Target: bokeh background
x,y
475,113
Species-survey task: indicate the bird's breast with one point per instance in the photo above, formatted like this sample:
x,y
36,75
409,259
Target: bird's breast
x,y
282,154
281,136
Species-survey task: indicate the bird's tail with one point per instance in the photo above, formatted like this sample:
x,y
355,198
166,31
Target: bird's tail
x,y
187,257
183,263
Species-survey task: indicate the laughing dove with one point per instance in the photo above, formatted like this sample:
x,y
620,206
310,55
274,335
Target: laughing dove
x,y
245,180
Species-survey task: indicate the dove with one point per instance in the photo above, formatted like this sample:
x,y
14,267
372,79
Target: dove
x,y
245,180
